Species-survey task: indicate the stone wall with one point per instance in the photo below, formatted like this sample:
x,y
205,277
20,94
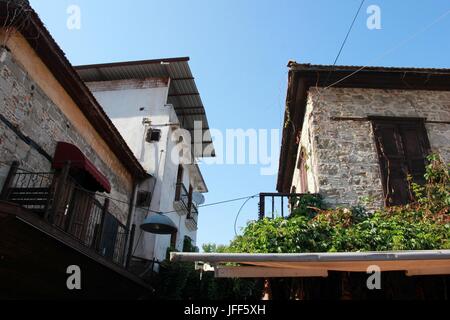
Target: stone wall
x,y
308,143
24,104
345,162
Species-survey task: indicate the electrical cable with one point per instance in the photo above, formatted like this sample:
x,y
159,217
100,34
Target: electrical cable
x,y
345,39
394,48
239,212
348,32
166,212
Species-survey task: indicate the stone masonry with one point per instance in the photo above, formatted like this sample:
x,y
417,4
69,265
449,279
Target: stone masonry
x,y
28,108
342,159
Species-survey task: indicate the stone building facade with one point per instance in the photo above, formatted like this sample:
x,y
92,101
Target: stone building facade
x,y
32,113
334,136
37,112
68,181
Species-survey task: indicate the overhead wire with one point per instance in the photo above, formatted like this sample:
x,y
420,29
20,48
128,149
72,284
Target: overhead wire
x,y
348,33
239,212
394,48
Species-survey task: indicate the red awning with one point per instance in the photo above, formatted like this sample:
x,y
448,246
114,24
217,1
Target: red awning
x,y
68,152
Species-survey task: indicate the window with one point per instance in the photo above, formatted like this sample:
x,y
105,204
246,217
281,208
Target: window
x,y
153,135
303,171
143,199
191,191
179,186
402,146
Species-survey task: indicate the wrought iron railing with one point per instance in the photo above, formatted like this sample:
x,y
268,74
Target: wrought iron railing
x,y
194,213
80,213
182,196
30,190
273,205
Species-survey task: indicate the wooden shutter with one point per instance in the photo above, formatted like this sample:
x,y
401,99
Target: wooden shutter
x,y
402,146
110,230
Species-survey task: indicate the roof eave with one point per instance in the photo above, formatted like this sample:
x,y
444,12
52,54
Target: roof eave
x,y
54,58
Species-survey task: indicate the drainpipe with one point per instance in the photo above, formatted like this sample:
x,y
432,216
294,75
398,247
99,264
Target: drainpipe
x,y
131,210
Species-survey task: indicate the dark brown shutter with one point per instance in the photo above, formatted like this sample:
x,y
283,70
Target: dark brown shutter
x,y
416,149
402,146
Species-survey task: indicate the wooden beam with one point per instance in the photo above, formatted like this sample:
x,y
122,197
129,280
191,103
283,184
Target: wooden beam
x,y
349,119
392,118
182,79
184,94
189,108
263,272
428,271
183,114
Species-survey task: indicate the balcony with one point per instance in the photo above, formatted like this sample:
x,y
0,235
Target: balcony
x,y
184,205
192,218
57,200
273,205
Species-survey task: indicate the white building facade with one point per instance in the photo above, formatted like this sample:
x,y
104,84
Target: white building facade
x,y
153,103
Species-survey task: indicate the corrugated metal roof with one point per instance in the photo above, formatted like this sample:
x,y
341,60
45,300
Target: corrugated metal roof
x,y
317,67
183,92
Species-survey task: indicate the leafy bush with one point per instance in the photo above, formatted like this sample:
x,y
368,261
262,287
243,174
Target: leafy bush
x,y
307,205
434,196
422,225
180,281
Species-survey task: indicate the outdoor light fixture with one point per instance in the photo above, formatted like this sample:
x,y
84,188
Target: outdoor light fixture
x,y
159,224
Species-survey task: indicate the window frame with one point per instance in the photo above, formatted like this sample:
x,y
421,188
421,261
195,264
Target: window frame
x,y
399,124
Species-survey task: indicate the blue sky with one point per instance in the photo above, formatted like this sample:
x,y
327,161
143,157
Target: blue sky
x,y
239,50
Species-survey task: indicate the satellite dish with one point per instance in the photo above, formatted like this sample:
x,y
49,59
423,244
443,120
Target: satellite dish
x,y
198,198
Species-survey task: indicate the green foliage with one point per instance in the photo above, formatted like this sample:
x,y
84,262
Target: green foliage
x,y
307,205
188,246
180,281
419,226
212,247
422,225
435,194
408,228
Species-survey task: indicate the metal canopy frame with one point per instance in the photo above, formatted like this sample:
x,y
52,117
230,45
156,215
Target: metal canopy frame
x,y
432,262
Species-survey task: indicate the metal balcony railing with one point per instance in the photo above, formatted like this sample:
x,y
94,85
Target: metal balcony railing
x,y
64,204
278,204
182,196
